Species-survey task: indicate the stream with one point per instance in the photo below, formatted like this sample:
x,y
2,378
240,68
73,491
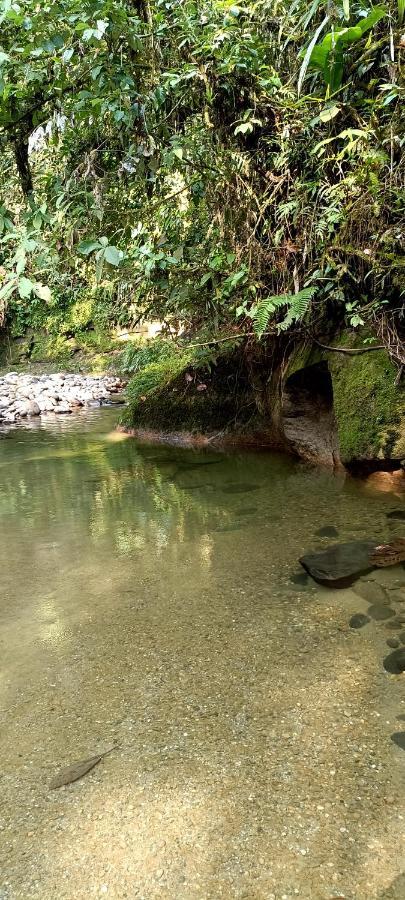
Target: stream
x,y
152,599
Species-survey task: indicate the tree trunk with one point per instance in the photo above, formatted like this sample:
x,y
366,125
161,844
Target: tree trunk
x,y
23,164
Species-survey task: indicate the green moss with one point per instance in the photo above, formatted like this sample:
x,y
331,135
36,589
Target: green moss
x,y
153,381
184,394
369,407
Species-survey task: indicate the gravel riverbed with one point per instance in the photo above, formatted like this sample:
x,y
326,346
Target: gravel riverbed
x,y
25,396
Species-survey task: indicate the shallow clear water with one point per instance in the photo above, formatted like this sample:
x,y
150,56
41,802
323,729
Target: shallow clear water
x,y
148,599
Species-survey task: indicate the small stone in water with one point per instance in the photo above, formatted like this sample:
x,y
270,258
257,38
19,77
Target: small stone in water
x,y
395,662
399,739
393,643
359,620
327,531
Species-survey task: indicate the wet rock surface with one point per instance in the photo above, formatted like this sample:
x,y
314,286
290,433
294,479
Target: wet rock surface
x,y
24,396
340,563
395,662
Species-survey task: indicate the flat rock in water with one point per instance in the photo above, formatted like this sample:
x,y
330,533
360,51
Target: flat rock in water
x,y
372,592
340,564
381,611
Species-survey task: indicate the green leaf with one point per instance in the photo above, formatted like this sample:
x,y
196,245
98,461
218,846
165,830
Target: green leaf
x,y
7,289
87,247
297,306
346,9
25,287
244,128
329,113
308,54
112,255
43,292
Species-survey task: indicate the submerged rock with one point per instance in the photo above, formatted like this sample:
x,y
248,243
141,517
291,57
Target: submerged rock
x,y
399,739
340,564
327,531
396,514
393,643
395,662
359,620
380,611
240,488
372,592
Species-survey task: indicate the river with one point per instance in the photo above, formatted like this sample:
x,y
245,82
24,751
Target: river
x,y
152,599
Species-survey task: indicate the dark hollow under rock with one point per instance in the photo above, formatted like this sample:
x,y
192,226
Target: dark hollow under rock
x,y
359,620
341,564
395,662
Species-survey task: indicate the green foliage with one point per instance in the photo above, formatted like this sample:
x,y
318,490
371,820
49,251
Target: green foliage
x,y
155,376
297,308
162,160
328,56
137,357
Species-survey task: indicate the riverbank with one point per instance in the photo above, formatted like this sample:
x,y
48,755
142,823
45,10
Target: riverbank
x,y
25,396
337,406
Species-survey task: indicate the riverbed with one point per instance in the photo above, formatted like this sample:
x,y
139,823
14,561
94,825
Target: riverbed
x,y
152,600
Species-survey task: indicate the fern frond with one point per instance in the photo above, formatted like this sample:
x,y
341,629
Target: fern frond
x,y
297,306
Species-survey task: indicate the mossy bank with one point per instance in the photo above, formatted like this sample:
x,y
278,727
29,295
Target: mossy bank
x,y
326,406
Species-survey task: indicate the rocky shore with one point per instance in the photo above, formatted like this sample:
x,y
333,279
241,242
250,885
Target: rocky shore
x,y
23,395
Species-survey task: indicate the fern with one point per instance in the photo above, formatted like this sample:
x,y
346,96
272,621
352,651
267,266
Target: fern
x,y
297,306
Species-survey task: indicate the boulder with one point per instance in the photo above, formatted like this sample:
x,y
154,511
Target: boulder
x,y
340,564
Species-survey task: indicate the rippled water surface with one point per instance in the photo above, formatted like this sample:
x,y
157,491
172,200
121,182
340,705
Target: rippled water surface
x,y
150,599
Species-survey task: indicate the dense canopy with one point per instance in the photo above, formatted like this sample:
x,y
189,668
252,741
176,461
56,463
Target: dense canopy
x,y
233,168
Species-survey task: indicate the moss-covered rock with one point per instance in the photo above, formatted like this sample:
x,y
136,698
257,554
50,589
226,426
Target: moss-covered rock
x,y
183,393
369,406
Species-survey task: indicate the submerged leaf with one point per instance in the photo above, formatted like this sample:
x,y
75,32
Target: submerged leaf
x,y
76,770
